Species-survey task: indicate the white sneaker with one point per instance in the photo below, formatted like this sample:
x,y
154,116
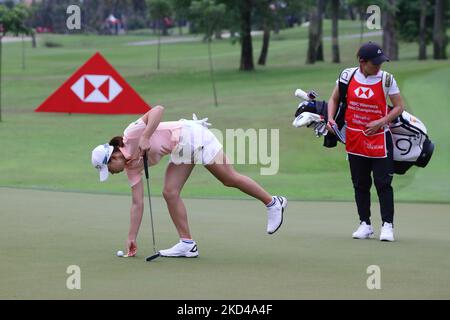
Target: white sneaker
x,y
181,249
275,214
387,232
364,231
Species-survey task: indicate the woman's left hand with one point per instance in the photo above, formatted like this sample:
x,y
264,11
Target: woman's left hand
x,y
374,126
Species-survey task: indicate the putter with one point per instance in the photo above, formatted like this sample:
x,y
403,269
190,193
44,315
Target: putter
x,y
156,254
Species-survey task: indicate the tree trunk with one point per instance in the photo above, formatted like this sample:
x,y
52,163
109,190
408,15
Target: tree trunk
x,y
158,55
422,30
361,30
321,8
33,39
313,36
335,31
276,27
246,36
165,30
265,46
23,53
351,14
211,69
390,43
1,47
439,36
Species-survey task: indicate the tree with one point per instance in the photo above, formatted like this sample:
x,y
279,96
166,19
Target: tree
x,y
335,31
272,15
321,11
138,15
266,10
208,17
53,14
422,30
361,6
159,9
181,11
408,28
439,31
12,20
390,42
315,36
239,18
245,9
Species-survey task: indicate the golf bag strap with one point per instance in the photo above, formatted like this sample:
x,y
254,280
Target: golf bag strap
x,y
345,77
387,83
344,80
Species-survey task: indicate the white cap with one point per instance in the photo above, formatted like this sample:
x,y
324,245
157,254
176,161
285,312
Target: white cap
x,y
100,158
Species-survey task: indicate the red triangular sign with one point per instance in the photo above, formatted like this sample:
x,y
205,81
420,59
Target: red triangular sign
x,y
95,88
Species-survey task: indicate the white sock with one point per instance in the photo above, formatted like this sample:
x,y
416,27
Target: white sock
x,y
274,200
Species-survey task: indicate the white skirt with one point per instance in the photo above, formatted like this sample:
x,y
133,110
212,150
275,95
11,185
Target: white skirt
x,y
198,145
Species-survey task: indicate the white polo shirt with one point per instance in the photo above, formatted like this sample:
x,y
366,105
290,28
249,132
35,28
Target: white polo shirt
x,y
370,80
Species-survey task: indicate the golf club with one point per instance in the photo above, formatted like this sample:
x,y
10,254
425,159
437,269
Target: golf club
x,y
156,254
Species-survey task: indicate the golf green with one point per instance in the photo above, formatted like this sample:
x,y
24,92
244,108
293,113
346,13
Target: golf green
x,y
312,256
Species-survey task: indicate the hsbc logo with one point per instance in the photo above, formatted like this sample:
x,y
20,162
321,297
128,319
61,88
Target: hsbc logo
x,y
96,88
364,93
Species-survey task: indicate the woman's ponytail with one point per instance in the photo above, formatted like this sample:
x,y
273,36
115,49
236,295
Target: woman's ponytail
x,y
116,142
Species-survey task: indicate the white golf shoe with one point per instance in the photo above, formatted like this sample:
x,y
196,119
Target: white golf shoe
x,y
364,231
181,249
275,214
387,232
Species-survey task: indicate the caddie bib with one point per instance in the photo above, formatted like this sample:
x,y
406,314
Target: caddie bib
x,y
365,103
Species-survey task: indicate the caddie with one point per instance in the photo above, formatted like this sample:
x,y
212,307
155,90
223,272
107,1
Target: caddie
x,y
359,101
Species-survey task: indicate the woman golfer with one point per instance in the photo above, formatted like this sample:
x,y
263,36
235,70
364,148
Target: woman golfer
x,y
188,143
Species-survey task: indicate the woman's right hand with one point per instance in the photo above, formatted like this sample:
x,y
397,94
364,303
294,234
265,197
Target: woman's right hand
x,y
132,247
330,125
144,145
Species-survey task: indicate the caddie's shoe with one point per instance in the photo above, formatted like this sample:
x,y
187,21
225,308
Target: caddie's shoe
x,y
275,212
364,231
181,249
387,232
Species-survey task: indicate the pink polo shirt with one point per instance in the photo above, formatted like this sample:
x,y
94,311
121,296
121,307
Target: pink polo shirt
x,y
162,142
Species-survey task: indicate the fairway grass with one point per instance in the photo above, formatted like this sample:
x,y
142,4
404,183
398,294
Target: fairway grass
x,y
312,256
52,151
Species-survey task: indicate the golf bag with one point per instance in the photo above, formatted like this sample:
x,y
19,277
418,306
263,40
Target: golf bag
x,y
412,145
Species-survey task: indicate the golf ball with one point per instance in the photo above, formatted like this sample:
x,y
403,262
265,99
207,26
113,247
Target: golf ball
x,y
120,253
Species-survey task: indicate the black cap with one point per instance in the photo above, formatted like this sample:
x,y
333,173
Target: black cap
x,y
372,52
